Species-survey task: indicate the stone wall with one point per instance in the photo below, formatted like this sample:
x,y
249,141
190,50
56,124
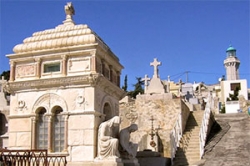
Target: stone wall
x,y
164,110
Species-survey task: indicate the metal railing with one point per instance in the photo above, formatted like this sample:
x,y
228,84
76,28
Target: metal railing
x,y
175,136
30,158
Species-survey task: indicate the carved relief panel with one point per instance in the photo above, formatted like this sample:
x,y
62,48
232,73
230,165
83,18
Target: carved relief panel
x,y
79,64
25,70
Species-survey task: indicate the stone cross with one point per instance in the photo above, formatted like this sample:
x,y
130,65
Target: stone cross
x,y
168,78
155,64
168,85
146,79
180,86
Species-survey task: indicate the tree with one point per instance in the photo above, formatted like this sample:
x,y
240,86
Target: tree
x,y
234,96
125,86
6,75
138,88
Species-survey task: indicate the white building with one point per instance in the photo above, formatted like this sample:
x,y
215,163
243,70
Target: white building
x,y
232,81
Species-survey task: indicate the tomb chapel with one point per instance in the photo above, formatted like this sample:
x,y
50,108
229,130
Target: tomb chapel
x,y
63,83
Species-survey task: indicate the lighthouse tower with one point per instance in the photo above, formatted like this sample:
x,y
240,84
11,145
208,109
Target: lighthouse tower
x,y
232,64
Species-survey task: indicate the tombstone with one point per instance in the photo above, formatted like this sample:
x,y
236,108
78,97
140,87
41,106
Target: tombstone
x,y
155,85
187,92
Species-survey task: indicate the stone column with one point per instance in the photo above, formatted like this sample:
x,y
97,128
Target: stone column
x,y
64,65
12,70
49,134
33,132
38,67
93,62
66,133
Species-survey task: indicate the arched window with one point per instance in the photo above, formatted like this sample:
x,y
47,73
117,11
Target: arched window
x,y
107,111
58,129
42,130
3,124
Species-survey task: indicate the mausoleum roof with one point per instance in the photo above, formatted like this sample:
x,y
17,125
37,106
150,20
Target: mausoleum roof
x,y
63,36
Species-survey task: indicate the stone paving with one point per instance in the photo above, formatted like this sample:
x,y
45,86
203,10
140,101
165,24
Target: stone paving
x,y
231,145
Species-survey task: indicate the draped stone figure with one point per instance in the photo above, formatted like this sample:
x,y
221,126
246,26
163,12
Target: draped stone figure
x,y
128,149
107,139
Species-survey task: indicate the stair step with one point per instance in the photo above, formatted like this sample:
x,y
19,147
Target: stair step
x,y
190,141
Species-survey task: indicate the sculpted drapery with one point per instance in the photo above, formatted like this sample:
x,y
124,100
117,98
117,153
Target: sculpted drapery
x,y
128,149
107,139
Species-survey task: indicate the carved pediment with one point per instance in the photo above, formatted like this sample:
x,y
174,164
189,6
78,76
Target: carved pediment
x,y
48,101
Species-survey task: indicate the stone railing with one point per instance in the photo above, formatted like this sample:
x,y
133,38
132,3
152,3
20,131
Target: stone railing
x,y
205,125
175,136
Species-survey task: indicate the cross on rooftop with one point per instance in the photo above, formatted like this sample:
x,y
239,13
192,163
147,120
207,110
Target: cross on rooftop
x,y
155,64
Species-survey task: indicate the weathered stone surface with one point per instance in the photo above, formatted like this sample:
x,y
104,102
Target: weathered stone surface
x,y
12,140
164,110
82,153
23,139
89,137
81,122
234,146
76,137
18,125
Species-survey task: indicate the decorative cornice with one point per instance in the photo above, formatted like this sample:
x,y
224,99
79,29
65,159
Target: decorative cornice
x,y
61,82
64,82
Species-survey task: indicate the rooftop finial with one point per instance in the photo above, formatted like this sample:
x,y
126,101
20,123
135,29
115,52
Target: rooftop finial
x,y
69,11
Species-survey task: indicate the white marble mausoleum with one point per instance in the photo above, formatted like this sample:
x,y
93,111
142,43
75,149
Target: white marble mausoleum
x,y
64,82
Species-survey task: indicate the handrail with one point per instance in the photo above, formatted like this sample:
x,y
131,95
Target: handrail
x,y
175,136
30,157
204,125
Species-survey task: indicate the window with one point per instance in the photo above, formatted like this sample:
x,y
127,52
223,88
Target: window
x,y
52,67
58,131
50,134
235,85
42,130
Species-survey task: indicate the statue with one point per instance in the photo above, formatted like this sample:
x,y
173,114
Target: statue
x,y
107,140
69,9
127,148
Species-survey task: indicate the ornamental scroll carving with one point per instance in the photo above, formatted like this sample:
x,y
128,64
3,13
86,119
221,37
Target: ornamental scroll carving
x,y
48,101
21,105
80,101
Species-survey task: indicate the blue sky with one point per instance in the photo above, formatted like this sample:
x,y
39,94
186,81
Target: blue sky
x,y
184,35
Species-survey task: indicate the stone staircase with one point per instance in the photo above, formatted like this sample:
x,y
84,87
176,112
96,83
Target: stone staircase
x,y
189,150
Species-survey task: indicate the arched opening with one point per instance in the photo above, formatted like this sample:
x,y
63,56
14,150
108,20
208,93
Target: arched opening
x,y
41,129
3,124
107,111
58,129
